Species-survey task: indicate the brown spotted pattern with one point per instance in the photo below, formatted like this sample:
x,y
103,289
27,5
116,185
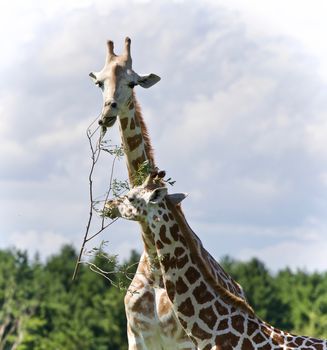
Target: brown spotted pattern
x,y
132,124
123,123
186,308
181,262
201,294
163,236
134,142
192,274
208,316
213,318
181,286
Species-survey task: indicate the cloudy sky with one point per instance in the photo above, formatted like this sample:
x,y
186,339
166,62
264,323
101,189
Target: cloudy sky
x,y
239,120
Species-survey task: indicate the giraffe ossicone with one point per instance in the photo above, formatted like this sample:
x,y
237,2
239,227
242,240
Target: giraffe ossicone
x,y
212,316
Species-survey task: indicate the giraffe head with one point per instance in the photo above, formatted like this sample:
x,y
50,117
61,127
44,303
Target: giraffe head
x,y
141,201
117,80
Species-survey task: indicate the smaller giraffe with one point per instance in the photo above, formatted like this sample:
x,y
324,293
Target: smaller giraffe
x,y
212,316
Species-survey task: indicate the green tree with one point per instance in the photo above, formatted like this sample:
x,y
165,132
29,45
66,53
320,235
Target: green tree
x,y
261,291
306,295
18,297
42,309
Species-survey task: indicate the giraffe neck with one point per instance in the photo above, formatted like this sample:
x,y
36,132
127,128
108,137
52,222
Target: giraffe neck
x,y
211,268
137,148
212,316
135,139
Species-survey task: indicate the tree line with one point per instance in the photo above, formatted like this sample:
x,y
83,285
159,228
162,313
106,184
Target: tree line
x,y
41,308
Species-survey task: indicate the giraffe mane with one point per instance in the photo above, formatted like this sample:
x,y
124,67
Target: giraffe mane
x,y
147,142
193,244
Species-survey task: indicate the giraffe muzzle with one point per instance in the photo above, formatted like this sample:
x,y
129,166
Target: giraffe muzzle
x,y
111,211
107,121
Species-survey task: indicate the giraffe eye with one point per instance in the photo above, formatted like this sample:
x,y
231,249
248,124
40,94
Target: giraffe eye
x,y
131,199
132,84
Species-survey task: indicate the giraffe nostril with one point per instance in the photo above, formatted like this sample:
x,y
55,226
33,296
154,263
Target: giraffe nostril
x,y
113,104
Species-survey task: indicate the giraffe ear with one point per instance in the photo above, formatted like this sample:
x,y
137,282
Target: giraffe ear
x,y
147,81
176,198
157,195
93,77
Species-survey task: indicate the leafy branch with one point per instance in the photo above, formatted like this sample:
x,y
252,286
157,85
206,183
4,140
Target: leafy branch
x,y
119,275
142,172
97,147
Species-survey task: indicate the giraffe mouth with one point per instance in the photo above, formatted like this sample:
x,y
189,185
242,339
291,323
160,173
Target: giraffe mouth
x,y
107,121
111,211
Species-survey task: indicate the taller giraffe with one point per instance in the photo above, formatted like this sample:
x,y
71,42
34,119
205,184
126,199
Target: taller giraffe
x,y
152,323
148,327
213,317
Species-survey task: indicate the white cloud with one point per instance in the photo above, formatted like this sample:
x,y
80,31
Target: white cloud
x,y
61,136
316,136
263,188
46,243
296,247
223,114
238,118
323,178
297,19
309,254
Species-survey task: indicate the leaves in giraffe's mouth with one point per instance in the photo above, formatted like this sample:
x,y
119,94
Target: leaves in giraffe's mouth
x,y
110,211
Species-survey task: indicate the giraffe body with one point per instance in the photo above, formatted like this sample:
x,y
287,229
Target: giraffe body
x,y
148,327
212,316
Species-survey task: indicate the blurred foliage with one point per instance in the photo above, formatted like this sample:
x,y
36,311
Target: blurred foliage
x,y
142,172
292,301
42,309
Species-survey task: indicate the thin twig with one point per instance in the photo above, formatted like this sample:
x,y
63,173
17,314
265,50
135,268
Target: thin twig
x,y
102,229
91,207
106,274
95,155
96,269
